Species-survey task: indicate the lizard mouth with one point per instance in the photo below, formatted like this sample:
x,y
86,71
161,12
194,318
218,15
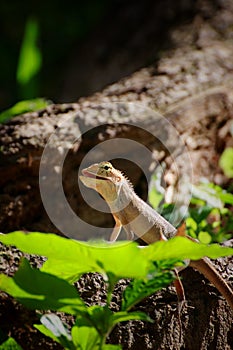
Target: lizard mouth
x,y
92,176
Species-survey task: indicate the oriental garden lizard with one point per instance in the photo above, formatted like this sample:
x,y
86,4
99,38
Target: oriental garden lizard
x,y
137,217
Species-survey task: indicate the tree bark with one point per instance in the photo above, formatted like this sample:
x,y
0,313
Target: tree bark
x,y
191,86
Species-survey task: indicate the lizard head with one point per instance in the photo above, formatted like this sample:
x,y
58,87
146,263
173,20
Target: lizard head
x,y
103,178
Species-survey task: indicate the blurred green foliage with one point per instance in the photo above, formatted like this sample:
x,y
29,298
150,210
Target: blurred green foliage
x,y
30,61
210,214
226,162
23,107
209,217
61,26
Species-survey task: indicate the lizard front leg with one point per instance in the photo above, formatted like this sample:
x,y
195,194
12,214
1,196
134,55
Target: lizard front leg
x,y
129,232
116,230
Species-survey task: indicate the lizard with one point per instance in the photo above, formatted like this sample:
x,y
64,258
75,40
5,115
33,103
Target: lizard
x,y
138,217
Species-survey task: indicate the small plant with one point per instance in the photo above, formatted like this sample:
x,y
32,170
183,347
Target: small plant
x,y
51,286
210,215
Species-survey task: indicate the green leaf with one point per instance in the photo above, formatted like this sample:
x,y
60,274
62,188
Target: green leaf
x,y
199,214
139,289
10,344
168,209
226,198
91,329
23,107
191,224
214,195
204,237
197,201
226,162
123,316
40,290
101,318
85,336
183,248
115,258
111,347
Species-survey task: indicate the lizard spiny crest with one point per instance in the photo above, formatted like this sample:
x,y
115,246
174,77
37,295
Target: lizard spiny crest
x,y
106,169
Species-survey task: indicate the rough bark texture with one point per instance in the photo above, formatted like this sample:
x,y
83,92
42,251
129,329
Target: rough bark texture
x,y
191,85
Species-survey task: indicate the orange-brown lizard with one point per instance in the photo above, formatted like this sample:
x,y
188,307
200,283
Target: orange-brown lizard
x,y
137,217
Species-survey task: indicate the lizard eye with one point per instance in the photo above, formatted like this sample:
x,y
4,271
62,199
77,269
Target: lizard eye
x,y
106,167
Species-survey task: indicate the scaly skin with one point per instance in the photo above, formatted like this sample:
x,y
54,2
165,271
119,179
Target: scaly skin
x,y
137,217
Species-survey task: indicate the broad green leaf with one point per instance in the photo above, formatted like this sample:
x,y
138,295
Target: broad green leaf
x,y
40,290
23,107
111,347
123,316
183,248
69,259
10,344
123,259
226,162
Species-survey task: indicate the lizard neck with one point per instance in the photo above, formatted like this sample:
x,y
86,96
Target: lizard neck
x,y
123,198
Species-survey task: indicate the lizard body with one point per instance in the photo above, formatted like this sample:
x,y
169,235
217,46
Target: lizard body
x,y
137,217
